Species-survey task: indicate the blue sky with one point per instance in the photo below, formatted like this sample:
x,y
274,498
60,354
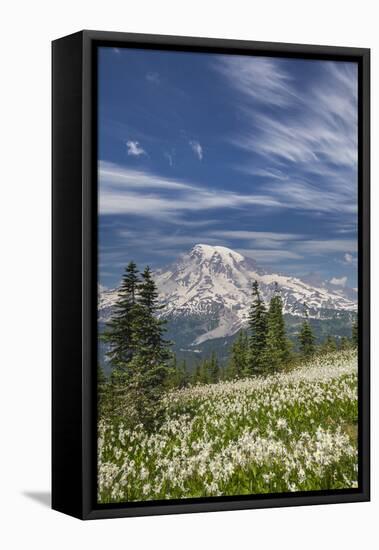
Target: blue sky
x,y
257,154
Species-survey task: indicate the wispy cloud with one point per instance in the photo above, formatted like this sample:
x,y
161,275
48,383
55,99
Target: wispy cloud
x,y
260,239
306,139
197,149
137,191
147,194
260,79
269,256
113,175
284,190
319,247
270,173
134,149
249,235
176,240
338,281
275,246
324,130
309,196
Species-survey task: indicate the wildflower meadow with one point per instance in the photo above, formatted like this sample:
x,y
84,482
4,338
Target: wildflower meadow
x,y
285,432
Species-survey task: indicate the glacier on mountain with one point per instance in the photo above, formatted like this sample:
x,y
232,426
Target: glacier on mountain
x,y
214,282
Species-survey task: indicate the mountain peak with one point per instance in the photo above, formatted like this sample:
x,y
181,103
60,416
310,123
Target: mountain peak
x,y
207,252
212,284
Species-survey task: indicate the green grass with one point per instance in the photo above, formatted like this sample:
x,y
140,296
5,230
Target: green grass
x,y
294,431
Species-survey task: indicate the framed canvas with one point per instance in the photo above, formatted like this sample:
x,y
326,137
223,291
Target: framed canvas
x,y
210,275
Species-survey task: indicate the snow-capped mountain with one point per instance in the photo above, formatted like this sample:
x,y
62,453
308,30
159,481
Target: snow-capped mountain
x,y
213,285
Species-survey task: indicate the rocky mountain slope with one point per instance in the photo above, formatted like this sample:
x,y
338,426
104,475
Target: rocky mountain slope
x,y
209,288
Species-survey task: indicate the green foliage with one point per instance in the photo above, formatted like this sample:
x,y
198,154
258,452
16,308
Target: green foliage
x,y
139,355
293,431
337,323
329,345
143,366
102,387
203,373
354,334
238,362
306,338
269,349
257,360
213,369
180,375
278,352
344,343
101,380
120,332
152,348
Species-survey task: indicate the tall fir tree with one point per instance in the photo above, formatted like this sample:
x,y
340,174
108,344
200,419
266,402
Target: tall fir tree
x,y
354,334
278,345
257,361
120,330
153,350
306,338
139,354
151,366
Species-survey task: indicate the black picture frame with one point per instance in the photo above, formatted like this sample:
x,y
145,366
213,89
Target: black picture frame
x,y
74,273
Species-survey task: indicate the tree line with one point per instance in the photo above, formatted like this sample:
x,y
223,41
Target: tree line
x,y
265,348
144,367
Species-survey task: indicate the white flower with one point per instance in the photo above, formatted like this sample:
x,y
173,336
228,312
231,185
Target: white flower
x,y
146,489
281,423
235,432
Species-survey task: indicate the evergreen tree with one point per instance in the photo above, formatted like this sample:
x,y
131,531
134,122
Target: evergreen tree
x,y
257,360
344,343
180,376
213,368
185,377
306,338
116,394
223,372
120,330
197,374
149,329
138,352
101,390
329,345
354,334
204,372
238,362
150,367
278,346
173,381
101,379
